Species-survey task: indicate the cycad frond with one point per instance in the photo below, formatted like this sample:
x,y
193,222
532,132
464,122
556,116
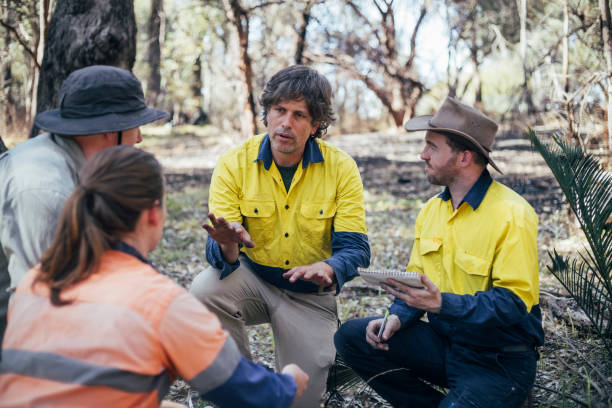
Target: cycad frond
x,y
588,189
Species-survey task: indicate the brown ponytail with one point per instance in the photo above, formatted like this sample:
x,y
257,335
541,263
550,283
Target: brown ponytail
x,y
116,185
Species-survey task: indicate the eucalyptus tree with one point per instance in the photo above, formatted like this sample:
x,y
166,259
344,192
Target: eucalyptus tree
x,y
83,33
360,38
156,25
23,25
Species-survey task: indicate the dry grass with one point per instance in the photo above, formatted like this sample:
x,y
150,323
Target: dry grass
x,y
574,369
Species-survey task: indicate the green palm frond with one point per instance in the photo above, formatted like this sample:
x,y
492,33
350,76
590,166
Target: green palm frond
x,y
588,189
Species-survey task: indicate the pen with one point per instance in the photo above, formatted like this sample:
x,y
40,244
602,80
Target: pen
x,y
382,326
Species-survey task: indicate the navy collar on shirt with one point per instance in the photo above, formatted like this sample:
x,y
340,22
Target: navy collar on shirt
x,y
130,250
476,194
312,153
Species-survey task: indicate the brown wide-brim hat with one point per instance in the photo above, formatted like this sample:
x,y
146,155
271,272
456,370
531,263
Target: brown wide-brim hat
x,y
461,120
98,99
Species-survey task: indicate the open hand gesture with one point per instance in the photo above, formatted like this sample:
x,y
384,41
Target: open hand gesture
x,y
228,235
227,232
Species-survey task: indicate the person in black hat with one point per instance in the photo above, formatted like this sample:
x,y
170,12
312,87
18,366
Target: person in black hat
x,y
100,106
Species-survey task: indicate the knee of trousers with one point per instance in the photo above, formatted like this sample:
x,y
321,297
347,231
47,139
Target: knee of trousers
x,y
351,336
206,285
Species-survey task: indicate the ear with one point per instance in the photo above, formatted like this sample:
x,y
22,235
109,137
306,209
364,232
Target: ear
x,y
152,215
110,138
315,127
465,158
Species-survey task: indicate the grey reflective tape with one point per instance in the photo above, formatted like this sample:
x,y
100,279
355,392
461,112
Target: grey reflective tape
x,y
220,370
63,369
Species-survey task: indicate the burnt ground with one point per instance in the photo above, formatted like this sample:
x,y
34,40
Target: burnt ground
x,y
572,370
389,164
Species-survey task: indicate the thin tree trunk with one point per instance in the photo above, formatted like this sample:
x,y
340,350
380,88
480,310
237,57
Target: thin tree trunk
x,y
606,24
526,97
154,56
302,31
239,17
7,76
84,33
196,89
570,109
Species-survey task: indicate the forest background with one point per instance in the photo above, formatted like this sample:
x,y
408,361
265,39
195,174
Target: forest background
x,y
544,64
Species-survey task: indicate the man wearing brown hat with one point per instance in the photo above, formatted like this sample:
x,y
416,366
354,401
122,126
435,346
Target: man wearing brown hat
x,y
100,106
475,246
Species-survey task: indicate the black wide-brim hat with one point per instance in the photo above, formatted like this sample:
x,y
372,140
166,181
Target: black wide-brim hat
x,y
98,99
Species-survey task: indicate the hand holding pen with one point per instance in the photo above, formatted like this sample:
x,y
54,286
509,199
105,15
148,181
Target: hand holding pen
x,y
380,330
382,326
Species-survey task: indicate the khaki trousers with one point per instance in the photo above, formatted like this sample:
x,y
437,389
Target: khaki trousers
x,y
303,324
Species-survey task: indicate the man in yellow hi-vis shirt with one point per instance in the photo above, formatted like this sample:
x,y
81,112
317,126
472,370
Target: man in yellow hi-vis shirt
x,y
287,229
475,245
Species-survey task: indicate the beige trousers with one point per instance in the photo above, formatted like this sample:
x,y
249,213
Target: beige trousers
x,y
303,323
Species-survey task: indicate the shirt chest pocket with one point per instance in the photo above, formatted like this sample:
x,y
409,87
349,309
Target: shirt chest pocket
x,y
316,220
430,250
259,220
475,271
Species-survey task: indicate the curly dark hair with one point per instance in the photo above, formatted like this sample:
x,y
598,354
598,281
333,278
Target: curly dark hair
x,y
301,82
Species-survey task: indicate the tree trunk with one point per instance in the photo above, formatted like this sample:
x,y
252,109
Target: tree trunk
x,y
83,33
570,109
201,117
239,17
8,104
302,31
154,56
565,50
606,25
476,78
526,97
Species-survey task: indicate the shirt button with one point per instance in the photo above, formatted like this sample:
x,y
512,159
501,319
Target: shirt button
x,y
320,211
286,234
287,262
286,207
256,211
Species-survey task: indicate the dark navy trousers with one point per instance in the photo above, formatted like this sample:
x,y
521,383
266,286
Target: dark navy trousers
x,y
418,356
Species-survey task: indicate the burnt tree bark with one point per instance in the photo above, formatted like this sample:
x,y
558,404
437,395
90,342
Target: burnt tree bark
x,y
154,56
302,31
83,33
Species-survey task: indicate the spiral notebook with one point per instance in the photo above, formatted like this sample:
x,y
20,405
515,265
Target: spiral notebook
x,y
378,276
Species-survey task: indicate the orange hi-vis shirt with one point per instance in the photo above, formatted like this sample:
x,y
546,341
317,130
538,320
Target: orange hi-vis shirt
x,y
127,334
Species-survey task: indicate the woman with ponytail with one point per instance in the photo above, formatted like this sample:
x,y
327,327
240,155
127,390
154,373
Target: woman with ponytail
x,y
95,325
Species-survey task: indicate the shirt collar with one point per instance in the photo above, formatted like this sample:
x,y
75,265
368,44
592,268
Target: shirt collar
x,y
312,153
476,194
130,250
72,149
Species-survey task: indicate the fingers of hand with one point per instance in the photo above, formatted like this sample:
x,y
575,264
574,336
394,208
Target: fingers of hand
x,y
293,274
372,332
246,240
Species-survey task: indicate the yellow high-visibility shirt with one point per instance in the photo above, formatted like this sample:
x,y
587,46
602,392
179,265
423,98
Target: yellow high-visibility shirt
x,y
467,250
289,228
